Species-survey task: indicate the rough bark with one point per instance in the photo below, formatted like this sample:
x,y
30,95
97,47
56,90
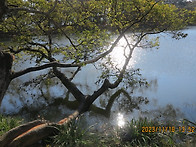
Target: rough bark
x,y
33,135
6,61
13,133
3,8
30,133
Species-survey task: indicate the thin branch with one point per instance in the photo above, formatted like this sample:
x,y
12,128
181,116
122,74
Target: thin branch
x,y
27,49
27,10
51,64
120,77
53,8
106,85
39,44
33,11
59,27
126,29
56,64
75,73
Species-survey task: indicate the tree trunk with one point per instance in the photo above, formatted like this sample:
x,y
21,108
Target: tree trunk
x,y
6,61
31,132
3,8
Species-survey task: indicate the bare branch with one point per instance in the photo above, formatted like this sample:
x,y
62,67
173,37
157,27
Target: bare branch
x,y
79,96
74,74
31,69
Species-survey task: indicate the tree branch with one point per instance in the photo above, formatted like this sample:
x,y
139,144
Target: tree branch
x,y
79,96
31,69
55,64
3,8
28,49
33,11
106,85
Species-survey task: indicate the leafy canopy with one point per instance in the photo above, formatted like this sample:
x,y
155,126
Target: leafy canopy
x,y
84,23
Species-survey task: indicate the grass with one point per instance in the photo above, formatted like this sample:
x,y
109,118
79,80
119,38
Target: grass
x,y
7,123
70,135
73,135
143,132
133,134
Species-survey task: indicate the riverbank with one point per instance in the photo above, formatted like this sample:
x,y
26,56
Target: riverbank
x,y
142,132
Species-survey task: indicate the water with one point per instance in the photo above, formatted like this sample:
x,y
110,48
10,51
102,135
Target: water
x,y
173,68
170,70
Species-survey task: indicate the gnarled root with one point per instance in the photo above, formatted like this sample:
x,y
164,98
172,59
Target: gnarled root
x,y
32,132
27,134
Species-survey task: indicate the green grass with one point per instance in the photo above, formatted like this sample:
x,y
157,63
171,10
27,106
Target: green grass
x,y
7,123
135,134
132,135
74,135
70,135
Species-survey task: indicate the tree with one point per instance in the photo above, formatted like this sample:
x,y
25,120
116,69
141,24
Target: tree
x,y
88,26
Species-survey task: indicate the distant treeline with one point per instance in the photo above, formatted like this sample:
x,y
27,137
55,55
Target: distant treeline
x,y
190,5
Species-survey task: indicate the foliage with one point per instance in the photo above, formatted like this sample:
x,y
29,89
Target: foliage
x,y
134,133
71,135
74,134
88,21
7,123
130,135
136,136
87,27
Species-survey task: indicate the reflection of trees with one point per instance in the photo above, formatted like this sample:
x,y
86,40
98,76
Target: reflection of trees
x,y
37,96
43,102
125,103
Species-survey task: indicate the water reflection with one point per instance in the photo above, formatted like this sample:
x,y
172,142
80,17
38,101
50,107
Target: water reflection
x,y
121,51
120,120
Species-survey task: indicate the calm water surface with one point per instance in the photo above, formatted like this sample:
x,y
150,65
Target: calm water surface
x,y
173,69
170,70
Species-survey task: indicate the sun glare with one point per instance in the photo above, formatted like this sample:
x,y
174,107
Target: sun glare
x,y
120,120
117,54
120,52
